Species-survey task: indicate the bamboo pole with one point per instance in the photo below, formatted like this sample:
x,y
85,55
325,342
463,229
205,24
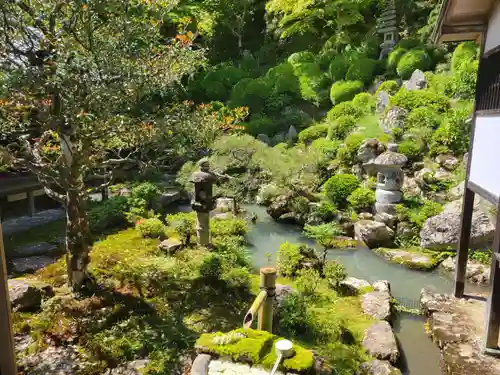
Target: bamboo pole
x,y
254,309
267,284
7,356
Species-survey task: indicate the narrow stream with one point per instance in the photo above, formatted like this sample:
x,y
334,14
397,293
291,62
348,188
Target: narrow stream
x,y
420,355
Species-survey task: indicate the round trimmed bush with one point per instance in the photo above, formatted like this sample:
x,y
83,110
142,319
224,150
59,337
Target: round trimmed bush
x,y
411,61
334,272
260,124
410,100
344,109
391,87
338,68
423,117
394,57
151,228
347,154
362,70
251,93
218,83
464,53
365,101
341,127
453,134
343,91
301,58
408,43
362,199
339,187
326,147
313,132
325,58
412,149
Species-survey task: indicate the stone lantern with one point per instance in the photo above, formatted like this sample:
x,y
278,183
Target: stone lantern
x,y
390,178
203,201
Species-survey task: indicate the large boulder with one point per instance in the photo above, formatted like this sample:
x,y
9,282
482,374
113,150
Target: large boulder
x,y
377,367
27,295
373,233
279,207
369,150
379,341
443,230
352,286
63,360
383,101
395,118
475,272
417,81
264,138
448,162
377,305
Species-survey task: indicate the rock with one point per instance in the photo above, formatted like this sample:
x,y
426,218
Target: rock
x,y
387,219
265,194
418,165
170,246
130,368
369,150
405,231
225,205
411,258
420,176
448,162
264,138
379,341
279,207
278,138
55,361
365,216
373,233
457,191
417,81
292,134
170,197
466,159
442,231
475,272
395,118
224,216
24,223
442,174
377,367
377,305
382,286
42,248
31,264
352,286
411,187
357,171
383,101
200,364
27,295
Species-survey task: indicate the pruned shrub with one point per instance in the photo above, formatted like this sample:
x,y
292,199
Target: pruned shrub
x,y
391,87
326,147
261,124
453,134
423,117
411,61
107,215
410,100
364,101
290,258
302,57
344,109
251,93
338,68
341,127
362,199
343,91
464,80
408,43
339,187
394,57
151,228
334,272
361,70
465,52
307,281
292,315
313,132
347,154
217,84
412,149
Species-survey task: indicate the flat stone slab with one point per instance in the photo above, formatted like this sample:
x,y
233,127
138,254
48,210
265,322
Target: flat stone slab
x,y
410,258
31,264
223,367
24,223
377,367
457,327
352,286
380,342
377,305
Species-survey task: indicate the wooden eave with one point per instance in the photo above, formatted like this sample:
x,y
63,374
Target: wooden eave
x,y
461,20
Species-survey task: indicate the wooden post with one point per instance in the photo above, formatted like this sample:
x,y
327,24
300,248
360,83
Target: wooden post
x,y
7,356
267,283
463,242
31,203
492,331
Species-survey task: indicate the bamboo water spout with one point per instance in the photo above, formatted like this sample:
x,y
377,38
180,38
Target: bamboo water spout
x,y
263,303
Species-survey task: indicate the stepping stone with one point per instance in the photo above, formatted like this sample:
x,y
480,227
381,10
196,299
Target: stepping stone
x,y
43,248
31,264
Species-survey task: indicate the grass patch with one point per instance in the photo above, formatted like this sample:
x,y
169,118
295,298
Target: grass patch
x,y
43,233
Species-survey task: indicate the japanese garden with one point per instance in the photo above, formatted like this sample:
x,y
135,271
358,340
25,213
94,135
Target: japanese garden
x,y
302,161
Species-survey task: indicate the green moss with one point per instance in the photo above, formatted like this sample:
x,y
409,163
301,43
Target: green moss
x,y
256,346
413,258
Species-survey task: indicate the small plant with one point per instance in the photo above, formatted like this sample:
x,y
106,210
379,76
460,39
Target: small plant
x,y
335,273
183,224
483,257
339,187
410,100
151,228
325,235
362,199
307,281
293,315
412,149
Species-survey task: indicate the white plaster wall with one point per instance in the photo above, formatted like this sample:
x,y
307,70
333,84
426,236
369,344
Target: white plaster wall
x,y
485,159
493,34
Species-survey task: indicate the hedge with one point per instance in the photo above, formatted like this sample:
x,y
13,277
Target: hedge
x,y
410,100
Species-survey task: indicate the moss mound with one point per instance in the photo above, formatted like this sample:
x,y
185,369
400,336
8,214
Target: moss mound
x,y
257,347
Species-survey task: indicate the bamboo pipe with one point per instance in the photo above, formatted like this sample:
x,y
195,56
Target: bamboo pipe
x,y
254,309
268,284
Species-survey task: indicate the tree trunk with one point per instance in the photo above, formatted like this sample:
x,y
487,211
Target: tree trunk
x,y
78,240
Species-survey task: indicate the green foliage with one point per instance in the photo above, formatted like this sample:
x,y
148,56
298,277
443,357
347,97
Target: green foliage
x,y
339,187
412,60
483,257
347,154
151,228
251,93
362,199
327,148
441,83
391,87
228,227
464,53
326,211
365,101
423,117
217,84
334,272
107,215
338,68
410,100
292,315
394,58
344,109
418,214
465,78
361,70
323,234
343,91
341,127
303,57
291,256
412,149
307,281
453,134
183,225
260,124
313,132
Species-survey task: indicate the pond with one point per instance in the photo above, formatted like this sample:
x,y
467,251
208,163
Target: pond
x,y
419,354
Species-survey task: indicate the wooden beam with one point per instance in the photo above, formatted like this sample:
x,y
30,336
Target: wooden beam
x,y
463,243
492,331
7,356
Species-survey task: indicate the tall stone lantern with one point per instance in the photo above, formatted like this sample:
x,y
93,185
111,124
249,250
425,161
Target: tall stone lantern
x,y
203,201
390,178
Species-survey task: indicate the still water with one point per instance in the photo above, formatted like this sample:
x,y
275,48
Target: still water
x,y
419,355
